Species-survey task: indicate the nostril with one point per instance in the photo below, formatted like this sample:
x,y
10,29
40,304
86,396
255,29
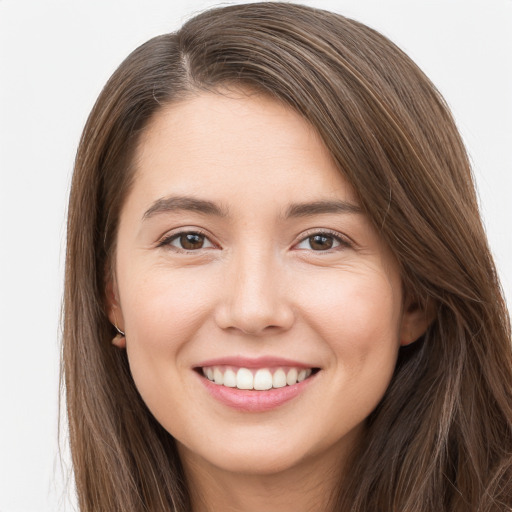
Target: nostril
x,y
255,320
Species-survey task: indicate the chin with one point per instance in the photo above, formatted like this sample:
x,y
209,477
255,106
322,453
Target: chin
x,y
259,462
267,453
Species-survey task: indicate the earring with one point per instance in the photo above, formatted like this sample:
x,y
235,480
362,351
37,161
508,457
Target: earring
x,y
119,339
120,333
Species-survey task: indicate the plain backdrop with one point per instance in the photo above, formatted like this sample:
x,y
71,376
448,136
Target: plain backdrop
x,y
55,57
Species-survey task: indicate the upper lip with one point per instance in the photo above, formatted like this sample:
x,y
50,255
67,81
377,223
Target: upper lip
x,y
254,362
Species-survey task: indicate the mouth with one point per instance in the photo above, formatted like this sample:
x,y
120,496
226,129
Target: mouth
x,y
256,379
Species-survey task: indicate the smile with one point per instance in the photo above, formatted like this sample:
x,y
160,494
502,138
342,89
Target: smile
x,y
259,379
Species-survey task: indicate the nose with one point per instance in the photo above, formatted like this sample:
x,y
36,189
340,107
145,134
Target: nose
x,y
256,296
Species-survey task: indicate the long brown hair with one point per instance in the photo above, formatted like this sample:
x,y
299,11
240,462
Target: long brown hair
x,y
441,439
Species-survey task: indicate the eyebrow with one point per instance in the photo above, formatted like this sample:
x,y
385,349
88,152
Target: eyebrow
x,y
187,203
321,207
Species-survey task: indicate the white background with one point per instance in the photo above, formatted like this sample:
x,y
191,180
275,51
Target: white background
x,y
55,57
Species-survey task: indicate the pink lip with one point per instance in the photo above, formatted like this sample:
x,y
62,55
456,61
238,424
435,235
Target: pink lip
x,y
257,362
251,400
255,401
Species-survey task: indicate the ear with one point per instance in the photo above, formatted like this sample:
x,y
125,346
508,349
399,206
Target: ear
x,y
416,319
115,314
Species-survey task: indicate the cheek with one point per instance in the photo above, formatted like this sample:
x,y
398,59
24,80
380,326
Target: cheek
x,y
163,313
355,305
165,305
358,316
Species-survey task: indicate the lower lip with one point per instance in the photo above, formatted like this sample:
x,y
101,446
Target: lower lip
x,y
255,401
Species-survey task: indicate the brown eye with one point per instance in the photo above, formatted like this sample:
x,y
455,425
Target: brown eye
x,y
187,241
321,242
191,241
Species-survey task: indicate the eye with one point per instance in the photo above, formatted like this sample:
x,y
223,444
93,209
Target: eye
x,y
187,241
323,241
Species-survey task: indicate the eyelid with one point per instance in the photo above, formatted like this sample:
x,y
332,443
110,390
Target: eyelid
x,y
344,240
165,240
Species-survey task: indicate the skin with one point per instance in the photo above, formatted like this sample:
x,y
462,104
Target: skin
x,y
258,286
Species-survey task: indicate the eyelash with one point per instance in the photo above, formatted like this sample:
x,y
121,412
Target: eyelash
x,y
168,239
342,240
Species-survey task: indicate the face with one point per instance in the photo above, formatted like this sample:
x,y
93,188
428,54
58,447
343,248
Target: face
x,y
244,261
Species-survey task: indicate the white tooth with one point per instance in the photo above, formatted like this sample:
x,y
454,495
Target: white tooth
x,y
301,376
291,377
244,379
263,379
209,372
309,371
279,379
218,377
230,378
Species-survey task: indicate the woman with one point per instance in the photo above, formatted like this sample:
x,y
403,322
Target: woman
x,y
279,294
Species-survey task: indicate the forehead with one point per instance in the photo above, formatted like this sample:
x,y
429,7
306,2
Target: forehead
x,y
229,142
